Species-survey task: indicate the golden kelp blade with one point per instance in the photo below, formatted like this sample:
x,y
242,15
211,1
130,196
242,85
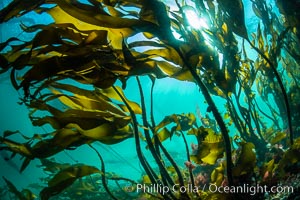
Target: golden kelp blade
x,y
106,133
210,146
110,93
15,147
114,34
163,134
89,100
183,122
23,195
218,174
65,178
247,159
95,16
235,10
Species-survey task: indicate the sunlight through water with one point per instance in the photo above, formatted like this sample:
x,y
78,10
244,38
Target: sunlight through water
x,y
193,18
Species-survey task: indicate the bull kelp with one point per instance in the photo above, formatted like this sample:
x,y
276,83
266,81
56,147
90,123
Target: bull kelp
x,y
88,79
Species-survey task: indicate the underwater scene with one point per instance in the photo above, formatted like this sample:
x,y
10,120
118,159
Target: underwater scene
x,y
149,99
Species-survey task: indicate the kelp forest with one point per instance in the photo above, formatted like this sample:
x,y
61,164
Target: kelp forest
x,y
75,75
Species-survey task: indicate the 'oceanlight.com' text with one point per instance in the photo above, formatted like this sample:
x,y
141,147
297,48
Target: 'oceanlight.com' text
x,y
213,188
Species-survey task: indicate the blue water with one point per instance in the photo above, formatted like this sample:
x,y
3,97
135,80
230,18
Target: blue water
x,y
170,97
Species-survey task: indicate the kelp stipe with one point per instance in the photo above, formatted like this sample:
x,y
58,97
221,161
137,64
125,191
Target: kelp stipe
x,y
158,144
189,160
97,45
220,122
166,178
152,175
103,178
285,97
211,104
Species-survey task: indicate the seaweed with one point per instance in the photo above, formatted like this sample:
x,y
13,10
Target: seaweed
x,y
73,76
